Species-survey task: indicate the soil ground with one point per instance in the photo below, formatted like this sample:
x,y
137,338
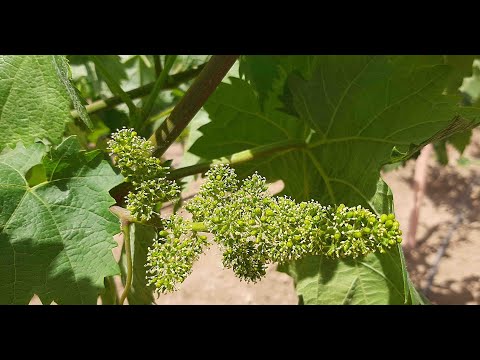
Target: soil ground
x,y
452,195
452,192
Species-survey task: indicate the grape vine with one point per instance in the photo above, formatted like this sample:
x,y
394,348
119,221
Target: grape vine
x,y
325,125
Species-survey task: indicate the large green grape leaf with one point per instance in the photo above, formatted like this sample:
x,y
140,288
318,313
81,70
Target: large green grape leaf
x,y
33,101
141,238
56,237
354,114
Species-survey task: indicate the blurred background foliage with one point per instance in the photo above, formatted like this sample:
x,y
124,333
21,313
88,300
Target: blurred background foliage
x,y
131,72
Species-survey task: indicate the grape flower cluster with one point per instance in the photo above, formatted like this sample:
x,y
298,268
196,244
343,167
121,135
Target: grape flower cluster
x,y
177,245
133,156
170,258
252,227
255,229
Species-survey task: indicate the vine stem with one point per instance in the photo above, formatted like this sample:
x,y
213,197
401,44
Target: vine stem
x,y
233,160
128,253
237,158
172,82
201,89
159,115
127,218
158,65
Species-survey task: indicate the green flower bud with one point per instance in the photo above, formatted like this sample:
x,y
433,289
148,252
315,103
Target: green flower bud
x,y
164,271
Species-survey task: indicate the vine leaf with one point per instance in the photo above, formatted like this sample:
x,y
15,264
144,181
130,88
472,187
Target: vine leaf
x,y
56,237
115,67
262,70
461,68
459,142
351,112
63,72
34,104
141,237
471,85
320,280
